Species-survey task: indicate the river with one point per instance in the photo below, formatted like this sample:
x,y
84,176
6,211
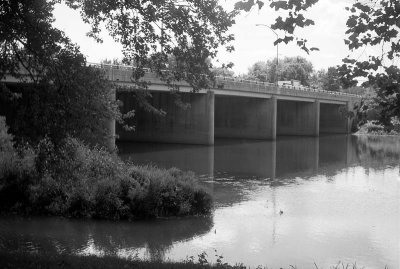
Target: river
x,y
295,201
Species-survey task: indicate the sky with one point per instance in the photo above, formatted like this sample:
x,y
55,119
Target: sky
x,y
252,43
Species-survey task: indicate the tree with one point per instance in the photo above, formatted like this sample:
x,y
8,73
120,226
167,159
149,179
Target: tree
x,y
374,23
296,68
371,23
261,71
291,16
191,31
150,31
331,81
222,71
327,80
62,95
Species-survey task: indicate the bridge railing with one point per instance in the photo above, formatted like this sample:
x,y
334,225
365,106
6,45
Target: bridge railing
x,y
123,73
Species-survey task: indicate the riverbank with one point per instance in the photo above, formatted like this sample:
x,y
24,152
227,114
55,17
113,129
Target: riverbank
x,y
34,261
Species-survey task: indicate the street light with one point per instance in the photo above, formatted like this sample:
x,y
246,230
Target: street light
x,y
277,51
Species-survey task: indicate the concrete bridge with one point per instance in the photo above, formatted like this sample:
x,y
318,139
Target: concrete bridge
x,y
233,109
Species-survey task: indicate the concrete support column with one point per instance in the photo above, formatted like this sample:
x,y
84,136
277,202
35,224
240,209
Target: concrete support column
x,y
210,115
349,120
110,126
272,105
316,117
194,125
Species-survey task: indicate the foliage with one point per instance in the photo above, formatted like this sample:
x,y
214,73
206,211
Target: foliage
x,y
259,71
296,68
372,127
63,96
385,101
6,139
358,90
16,170
327,80
375,23
74,180
291,16
150,31
81,109
371,23
395,122
222,71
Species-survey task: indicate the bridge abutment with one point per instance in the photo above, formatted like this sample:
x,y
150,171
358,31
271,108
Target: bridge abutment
x,y
245,117
194,125
298,118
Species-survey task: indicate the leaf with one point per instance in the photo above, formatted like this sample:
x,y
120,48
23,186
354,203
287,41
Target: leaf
x,y
314,49
260,4
287,39
362,7
279,5
246,6
351,22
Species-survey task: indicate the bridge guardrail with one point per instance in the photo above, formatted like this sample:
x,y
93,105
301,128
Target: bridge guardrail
x,y
125,76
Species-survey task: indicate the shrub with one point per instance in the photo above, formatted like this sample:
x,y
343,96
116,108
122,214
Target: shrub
x,y
372,127
16,171
395,121
6,139
75,180
168,193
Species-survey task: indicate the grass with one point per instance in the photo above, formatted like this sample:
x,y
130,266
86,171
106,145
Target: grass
x,y
35,261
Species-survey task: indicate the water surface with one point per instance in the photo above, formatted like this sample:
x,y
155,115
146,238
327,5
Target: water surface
x,y
295,201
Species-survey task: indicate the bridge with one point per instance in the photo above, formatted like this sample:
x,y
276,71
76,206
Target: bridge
x,y
234,108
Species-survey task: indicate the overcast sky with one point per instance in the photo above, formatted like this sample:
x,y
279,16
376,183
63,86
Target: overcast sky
x,y
252,43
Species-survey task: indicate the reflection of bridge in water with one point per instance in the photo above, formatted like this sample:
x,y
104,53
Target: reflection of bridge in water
x,y
285,157
233,108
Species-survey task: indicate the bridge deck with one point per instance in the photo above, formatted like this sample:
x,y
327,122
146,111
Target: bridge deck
x,y
235,87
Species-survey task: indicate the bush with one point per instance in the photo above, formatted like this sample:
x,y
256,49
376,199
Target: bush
x,y
395,121
6,139
372,127
74,180
16,171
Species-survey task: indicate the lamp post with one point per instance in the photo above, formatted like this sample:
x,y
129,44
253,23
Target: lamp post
x,y
277,51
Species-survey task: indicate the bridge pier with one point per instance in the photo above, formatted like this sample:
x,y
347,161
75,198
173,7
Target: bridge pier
x,y
298,118
110,125
194,125
245,117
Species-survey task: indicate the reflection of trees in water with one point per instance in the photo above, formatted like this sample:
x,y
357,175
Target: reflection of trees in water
x,y
53,235
294,158
378,151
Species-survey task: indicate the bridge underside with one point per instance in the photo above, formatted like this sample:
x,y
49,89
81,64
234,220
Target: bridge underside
x,y
211,115
244,117
193,125
297,118
333,119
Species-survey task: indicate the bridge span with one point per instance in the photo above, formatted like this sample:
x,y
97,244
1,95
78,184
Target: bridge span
x,y
234,108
